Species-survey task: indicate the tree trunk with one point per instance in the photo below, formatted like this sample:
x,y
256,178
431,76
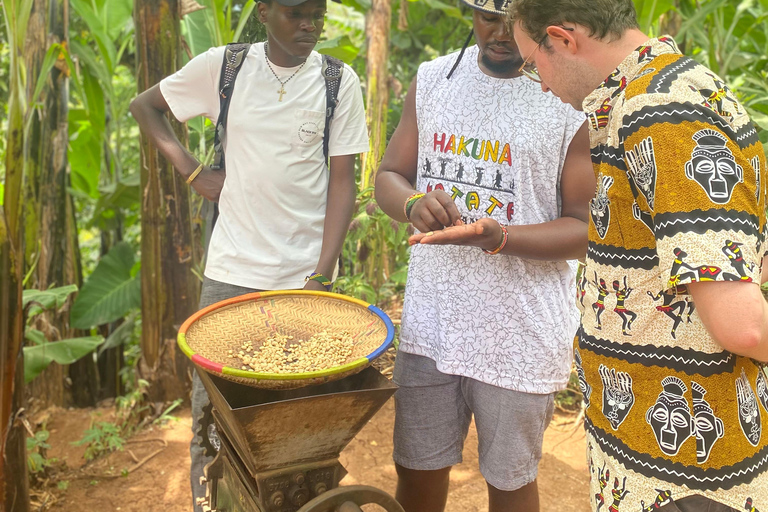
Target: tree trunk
x,y
14,495
110,362
377,27
83,373
169,289
51,246
17,489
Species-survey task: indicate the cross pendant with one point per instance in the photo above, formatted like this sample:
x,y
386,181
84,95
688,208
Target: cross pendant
x,y
281,92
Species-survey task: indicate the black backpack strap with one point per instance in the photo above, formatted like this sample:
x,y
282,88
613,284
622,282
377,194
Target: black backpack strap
x,y
234,56
332,71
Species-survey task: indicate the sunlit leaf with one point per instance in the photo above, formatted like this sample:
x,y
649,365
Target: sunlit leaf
x,y
47,299
121,195
36,336
341,47
97,67
115,15
648,11
48,61
39,357
84,154
98,30
362,6
244,15
199,30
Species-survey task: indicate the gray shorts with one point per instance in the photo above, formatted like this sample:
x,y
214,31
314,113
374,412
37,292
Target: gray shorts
x,y
433,411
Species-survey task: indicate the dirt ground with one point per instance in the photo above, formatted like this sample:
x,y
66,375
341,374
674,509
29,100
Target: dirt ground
x,y
162,484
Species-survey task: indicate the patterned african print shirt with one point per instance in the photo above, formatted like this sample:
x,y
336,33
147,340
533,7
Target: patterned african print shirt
x,y
681,198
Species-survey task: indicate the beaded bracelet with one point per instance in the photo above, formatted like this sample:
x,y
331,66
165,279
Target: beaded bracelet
x,y
502,244
320,278
410,202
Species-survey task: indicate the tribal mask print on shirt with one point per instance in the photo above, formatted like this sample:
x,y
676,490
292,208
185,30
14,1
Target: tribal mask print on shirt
x,y
670,418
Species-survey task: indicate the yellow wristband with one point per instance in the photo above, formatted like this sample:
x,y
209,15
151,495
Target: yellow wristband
x,y
195,173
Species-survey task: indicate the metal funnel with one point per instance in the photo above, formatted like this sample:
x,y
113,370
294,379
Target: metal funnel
x,y
273,429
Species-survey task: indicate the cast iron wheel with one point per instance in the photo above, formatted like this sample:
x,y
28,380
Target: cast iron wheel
x,y
333,500
207,435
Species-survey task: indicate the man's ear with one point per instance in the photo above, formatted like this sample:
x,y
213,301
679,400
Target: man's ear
x,y
262,8
561,38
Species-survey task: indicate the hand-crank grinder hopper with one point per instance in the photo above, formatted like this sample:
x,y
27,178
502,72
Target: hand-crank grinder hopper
x,y
278,448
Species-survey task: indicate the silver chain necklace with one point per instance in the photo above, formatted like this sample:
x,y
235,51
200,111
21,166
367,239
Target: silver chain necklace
x,y
281,92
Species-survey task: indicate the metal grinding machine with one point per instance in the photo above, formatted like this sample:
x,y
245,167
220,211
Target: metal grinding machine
x,y
276,437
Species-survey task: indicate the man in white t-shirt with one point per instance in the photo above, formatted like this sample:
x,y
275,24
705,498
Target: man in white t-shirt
x,y
283,213
483,159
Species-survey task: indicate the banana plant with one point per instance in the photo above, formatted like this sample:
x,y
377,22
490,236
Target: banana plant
x,y
730,37
649,13
40,352
12,444
111,292
100,134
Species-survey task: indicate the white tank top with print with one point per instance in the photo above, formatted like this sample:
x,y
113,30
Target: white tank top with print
x,y
497,146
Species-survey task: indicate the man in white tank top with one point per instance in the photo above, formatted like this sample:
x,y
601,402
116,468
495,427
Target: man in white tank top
x,y
496,177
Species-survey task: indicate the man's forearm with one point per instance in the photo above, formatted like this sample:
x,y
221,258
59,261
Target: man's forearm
x,y
392,190
735,314
757,348
561,239
762,352
338,215
156,127
149,111
764,277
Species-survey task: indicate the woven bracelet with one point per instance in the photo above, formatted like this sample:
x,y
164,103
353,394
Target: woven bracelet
x,y
320,278
502,244
410,202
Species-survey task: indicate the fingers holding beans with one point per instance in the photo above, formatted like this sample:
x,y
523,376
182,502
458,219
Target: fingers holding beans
x,y
435,211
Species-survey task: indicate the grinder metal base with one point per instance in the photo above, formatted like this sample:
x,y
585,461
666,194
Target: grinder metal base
x,y
279,449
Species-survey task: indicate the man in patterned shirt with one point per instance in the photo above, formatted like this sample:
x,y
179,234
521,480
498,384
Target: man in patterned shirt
x,y
677,398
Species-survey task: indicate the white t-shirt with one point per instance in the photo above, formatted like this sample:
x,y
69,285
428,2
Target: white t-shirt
x,y
498,147
272,208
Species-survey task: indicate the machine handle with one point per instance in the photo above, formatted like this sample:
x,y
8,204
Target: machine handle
x,y
342,499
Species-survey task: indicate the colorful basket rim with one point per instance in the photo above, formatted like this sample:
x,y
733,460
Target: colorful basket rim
x,y
226,370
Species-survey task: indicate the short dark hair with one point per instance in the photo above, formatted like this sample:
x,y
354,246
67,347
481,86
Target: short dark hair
x,y
603,18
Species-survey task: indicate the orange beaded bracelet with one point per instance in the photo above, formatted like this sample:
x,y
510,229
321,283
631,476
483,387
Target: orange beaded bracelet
x,y
505,235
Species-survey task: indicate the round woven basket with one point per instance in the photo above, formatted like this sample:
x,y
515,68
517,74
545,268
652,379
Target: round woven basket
x,y
208,335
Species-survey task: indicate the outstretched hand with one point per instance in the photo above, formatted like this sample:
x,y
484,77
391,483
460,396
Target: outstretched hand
x,y
485,233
